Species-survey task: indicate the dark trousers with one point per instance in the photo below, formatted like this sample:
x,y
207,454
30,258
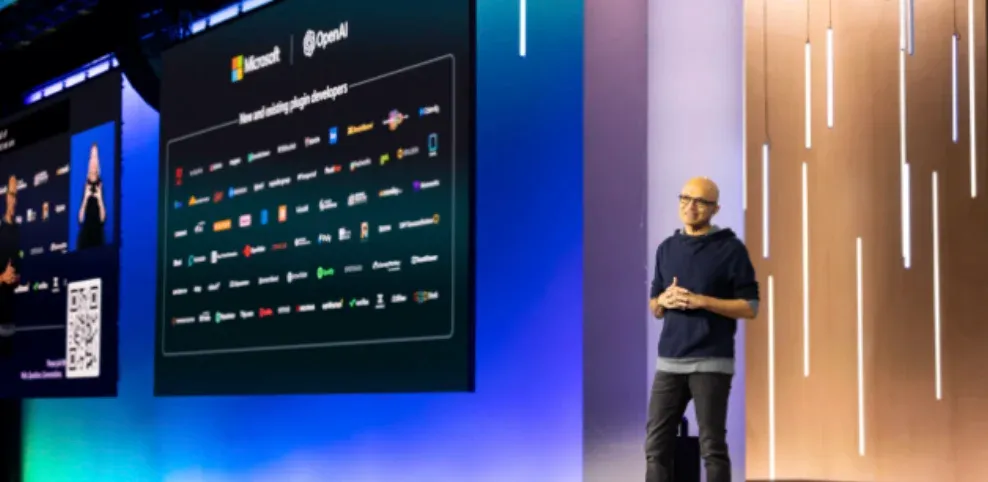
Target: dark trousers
x,y
671,393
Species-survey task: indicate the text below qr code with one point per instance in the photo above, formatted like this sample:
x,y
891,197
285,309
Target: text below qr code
x,y
83,327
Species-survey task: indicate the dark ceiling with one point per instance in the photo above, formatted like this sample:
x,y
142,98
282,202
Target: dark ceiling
x,y
29,20
43,39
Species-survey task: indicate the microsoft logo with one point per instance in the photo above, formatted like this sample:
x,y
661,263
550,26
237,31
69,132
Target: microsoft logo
x,y
237,69
241,65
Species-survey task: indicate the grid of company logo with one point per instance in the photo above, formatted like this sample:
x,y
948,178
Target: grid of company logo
x,y
317,213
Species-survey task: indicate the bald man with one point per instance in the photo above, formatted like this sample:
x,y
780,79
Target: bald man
x,y
9,265
704,282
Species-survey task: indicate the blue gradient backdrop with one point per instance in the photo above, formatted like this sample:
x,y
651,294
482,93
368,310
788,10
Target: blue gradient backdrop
x,y
524,421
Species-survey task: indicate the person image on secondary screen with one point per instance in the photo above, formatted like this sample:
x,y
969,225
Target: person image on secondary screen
x,y
703,283
10,263
92,212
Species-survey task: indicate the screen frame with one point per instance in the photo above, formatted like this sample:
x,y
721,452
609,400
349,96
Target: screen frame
x,y
66,96
470,294
116,75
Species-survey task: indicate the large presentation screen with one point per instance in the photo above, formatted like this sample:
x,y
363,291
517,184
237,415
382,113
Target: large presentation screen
x,y
59,237
315,202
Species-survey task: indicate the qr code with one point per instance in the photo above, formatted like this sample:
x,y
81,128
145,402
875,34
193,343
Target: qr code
x,y
83,326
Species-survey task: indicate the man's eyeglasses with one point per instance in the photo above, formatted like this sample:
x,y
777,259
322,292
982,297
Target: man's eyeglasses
x,y
685,200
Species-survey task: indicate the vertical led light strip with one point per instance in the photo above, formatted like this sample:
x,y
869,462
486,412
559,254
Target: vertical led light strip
x,y
522,28
771,378
861,394
910,26
936,286
808,101
765,197
906,215
806,275
903,42
972,107
744,120
765,145
830,77
953,89
903,162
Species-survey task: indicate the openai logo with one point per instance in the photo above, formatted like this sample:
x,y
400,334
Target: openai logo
x,y
319,39
309,43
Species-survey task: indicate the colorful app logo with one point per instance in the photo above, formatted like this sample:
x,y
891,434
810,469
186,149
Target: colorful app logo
x,y
264,217
178,176
178,204
385,158
245,220
248,250
222,225
394,120
324,272
230,193
237,69
333,136
417,185
282,213
217,196
265,312
433,143
364,230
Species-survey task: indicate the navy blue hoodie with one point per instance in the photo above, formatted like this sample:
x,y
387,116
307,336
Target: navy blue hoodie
x,y
715,265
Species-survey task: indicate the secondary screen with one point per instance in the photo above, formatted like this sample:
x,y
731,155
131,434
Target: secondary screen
x,y
59,189
315,206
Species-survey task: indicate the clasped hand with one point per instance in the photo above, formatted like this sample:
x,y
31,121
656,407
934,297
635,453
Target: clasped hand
x,y
675,297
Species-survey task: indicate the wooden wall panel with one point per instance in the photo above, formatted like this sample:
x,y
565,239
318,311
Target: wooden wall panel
x,y
853,191
756,333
